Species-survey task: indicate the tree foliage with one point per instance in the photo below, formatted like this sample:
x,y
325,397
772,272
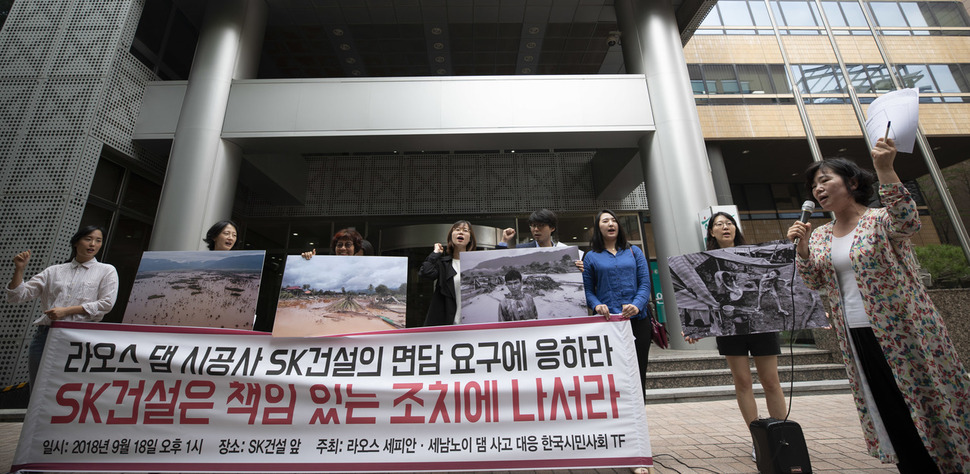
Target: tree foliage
x,y
947,265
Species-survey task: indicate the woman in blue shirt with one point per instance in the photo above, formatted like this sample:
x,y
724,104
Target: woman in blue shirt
x,y
617,281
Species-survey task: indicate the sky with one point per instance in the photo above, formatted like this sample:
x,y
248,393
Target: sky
x,y
333,272
198,255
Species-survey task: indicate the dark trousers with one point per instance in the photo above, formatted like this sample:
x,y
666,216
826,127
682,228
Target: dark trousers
x,y
35,353
643,334
893,410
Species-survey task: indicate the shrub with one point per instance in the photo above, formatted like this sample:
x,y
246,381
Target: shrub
x,y
947,265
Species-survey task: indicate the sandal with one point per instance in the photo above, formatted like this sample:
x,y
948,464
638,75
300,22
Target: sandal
x,y
641,470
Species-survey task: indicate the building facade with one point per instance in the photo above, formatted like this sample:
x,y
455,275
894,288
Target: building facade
x,y
773,79
157,118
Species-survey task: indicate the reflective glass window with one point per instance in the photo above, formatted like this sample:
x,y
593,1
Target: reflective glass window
x,y
820,79
712,19
918,76
107,180
760,14
914,15
853,14
887,14
779,79
951,14
949,78
798,13
834,14
696,80
859,77
754,79
721,79
879,76
734,13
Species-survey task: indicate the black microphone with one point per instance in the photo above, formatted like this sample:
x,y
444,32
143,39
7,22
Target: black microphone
x,y
808,207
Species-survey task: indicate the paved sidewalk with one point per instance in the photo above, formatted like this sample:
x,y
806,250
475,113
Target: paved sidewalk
x,y
709,437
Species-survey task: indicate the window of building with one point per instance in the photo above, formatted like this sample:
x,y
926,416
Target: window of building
x,y
817,78
795,13
123,199
950,78
916,75
165,40
887,14
947,14
734,13
755,79
721,79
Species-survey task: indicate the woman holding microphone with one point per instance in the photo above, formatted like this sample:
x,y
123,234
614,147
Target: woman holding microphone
x,y
909,386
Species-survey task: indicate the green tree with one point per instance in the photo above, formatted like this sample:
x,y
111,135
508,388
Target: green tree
x,y
946,263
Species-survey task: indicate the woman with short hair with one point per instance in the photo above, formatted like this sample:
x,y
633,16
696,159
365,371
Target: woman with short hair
x,y
81,289
443,265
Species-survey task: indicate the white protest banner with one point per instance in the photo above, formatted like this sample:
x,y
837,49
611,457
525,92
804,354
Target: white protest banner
x,y
548,394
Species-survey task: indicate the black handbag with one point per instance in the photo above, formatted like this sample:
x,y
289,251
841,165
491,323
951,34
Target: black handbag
x,y
659,332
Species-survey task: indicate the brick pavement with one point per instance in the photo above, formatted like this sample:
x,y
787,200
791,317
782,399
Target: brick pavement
x,y
709,437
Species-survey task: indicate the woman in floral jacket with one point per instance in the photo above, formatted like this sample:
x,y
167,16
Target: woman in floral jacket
x,y
909,386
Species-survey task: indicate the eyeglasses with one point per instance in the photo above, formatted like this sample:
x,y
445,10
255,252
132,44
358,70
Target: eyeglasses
x,y
537,226
723,224
344,245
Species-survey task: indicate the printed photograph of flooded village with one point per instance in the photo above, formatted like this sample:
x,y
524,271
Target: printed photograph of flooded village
x,y
331,294
198,288
521,284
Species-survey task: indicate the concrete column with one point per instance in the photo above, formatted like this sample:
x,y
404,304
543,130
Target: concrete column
x,y
200,182
676,171
722,186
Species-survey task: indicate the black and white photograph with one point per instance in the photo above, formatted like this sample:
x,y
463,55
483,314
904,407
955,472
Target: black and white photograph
x,y
521,284
335,294
197,288
743,290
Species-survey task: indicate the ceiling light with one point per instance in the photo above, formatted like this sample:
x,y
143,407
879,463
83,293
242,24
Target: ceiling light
x,y
344,47
529,58
439,59
936,148
436,31
295,233
842,150
745,152
533,30
527,70
438,45
530,44
442,71
338,32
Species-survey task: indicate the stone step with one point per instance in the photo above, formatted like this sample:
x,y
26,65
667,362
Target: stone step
x,y
708,361
722,376
726,392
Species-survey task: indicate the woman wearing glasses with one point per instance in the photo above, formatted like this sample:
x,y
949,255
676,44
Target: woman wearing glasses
x,y
723,232
345,242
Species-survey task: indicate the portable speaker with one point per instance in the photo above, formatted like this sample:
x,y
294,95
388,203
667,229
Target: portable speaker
x,y
779,447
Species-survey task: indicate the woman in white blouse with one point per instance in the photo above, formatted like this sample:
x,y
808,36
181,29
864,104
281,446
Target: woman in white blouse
x,y
81,289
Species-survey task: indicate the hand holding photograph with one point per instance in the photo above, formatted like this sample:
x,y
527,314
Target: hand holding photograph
x,y
332,294
197,288
520,284
743,290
